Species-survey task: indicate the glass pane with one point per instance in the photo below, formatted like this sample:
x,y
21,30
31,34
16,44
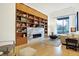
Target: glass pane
x,y
66,25
59,26
63,26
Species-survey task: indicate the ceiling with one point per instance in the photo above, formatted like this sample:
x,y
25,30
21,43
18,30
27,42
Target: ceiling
x,y
48,8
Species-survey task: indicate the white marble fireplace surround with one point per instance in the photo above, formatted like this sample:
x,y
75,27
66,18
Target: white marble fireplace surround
x,y
31,31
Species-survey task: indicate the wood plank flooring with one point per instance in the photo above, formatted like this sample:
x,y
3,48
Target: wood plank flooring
x,y
46,49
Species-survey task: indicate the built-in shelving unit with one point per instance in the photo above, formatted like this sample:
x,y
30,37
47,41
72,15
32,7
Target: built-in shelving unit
x,y
25,19
21,27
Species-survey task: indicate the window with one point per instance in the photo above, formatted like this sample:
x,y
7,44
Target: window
x,y
63,25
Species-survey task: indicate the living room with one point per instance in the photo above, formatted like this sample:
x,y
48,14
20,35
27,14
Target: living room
x,y
30,27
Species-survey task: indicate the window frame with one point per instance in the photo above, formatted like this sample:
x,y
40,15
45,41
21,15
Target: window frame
x,y
63,18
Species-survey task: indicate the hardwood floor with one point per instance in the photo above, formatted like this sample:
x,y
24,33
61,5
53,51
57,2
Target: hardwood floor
x,y
46,49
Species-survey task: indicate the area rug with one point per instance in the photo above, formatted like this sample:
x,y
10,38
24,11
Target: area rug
x,y
28,51
55,42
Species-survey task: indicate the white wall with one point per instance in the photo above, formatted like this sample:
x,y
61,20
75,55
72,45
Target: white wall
x,y
7,21
52,26
72,19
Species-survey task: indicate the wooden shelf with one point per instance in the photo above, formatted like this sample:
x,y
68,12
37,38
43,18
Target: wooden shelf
x,y
20,41
23,26
18,21
25,20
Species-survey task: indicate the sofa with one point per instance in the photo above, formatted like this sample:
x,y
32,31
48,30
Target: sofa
x,y
63,37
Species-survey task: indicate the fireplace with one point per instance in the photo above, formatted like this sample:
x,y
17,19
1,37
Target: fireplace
x,y
36,35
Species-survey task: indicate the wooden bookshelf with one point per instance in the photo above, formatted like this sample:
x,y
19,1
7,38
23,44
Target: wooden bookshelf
x,y
21,27
26,19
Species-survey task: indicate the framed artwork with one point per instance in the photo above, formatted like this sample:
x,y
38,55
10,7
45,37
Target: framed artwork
x,y
73,29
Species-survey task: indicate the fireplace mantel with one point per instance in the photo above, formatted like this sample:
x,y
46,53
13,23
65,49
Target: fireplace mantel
x,y
35,31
